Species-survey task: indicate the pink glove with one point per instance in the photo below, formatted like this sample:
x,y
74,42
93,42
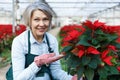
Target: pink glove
x,y
46,59
75,78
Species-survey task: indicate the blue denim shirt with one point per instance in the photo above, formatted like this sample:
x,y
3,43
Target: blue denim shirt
x,y
20,48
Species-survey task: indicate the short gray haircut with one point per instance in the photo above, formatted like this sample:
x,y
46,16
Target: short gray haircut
x,y
36,6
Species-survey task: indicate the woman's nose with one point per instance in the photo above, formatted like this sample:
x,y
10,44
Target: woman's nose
x,y
41,23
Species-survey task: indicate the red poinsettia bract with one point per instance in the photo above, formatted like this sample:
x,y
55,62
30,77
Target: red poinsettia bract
x,y
81,50
94,25
106,58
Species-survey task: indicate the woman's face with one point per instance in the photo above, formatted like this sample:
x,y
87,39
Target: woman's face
x,y
39,23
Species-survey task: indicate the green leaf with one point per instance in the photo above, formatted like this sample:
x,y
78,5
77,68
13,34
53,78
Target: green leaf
x,y
111,37
95,41
84,41
69,62
113,70
101,38
103,72
69,70
117,45
89,73
105,39
85,60
99,31
114,77
93,64
67,48
73,61
80,72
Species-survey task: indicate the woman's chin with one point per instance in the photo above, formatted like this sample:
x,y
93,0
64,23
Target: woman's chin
x,y
40,33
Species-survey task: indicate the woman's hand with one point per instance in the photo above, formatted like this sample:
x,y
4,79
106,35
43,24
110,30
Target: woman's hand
x,y
75,77
46,59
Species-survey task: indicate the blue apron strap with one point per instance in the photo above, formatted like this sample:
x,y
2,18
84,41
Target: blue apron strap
x,y
29,45
48,43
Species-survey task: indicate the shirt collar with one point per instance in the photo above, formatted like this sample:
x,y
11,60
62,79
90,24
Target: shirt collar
x,y
33,40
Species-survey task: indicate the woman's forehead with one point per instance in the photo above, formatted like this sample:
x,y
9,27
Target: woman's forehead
x,y
39,13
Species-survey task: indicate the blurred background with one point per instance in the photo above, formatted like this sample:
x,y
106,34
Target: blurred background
x,y
65,12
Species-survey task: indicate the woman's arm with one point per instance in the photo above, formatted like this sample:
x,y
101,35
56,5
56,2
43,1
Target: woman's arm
x,y
18,61
55,67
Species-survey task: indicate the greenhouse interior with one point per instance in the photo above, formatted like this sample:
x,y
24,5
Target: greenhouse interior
x,y
65,12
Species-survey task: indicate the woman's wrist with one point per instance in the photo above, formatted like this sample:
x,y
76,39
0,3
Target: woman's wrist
x,y
38,64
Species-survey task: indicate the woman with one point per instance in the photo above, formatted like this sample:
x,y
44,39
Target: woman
x,y
35,52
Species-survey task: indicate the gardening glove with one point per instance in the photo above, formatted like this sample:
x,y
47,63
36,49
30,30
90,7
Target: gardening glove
x,y
46,59
75,77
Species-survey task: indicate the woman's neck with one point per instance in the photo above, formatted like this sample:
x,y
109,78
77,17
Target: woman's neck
x,y
39,38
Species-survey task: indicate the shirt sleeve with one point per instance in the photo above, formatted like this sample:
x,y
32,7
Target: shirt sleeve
x,y
55,67
18,62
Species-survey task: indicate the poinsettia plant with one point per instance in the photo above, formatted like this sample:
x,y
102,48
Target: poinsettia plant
x,y
92,49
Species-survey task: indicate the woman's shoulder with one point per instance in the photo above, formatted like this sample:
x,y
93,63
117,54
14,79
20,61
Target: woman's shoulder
x,y
22,36
50,36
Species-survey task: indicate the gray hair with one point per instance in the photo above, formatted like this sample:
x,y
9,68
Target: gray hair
x,y
36,6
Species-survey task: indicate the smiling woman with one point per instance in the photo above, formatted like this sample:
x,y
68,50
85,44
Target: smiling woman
x,y
35,51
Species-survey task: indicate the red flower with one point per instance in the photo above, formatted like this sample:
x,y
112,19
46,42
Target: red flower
x,y
110,29
71,32
94,25
79,50
65,43
92,50
118,40
81,53
118,68
64,30
112,48
105,58
88,24
98,24
68,28
72,35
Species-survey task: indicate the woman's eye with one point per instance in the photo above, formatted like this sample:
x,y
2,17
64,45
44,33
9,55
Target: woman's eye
x,y
36,19
46,19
